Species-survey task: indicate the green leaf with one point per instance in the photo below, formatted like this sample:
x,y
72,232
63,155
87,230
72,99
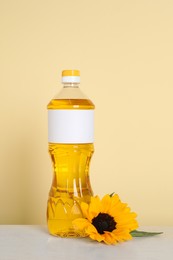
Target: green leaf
x,y
112,194
137,233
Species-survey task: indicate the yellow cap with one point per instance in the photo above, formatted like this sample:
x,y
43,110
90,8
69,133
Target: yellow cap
x,y
70,73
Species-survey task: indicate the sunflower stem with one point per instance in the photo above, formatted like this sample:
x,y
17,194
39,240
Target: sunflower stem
x,y
138,233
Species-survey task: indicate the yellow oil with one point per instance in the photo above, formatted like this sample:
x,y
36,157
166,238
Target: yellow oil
x,y
71,183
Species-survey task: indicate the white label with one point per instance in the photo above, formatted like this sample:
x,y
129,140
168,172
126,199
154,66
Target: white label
x,y
70,126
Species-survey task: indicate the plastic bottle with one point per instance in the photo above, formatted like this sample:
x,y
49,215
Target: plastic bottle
x,y
70,136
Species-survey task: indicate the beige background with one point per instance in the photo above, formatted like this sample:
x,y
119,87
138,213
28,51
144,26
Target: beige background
x,y
124,50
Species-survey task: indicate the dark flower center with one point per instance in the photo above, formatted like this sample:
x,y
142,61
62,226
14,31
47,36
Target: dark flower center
x,y
104,222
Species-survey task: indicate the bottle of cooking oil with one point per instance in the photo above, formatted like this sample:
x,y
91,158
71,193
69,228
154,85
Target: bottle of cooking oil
x,y
70,136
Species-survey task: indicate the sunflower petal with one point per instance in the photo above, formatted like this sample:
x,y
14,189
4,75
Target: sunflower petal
x,y
90,229
94,207
96,237
81,223
115,199
92,232
84,208
105,204
122,235
109,238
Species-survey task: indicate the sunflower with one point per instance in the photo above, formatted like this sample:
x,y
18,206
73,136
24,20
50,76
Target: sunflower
x,y
107,219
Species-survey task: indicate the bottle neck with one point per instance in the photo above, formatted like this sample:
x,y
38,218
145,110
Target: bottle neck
x,y
70,85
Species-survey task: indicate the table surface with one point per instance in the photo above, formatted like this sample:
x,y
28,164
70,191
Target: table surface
x,y
27,242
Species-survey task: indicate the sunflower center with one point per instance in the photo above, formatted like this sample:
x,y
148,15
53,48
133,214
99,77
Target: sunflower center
x,y
104,222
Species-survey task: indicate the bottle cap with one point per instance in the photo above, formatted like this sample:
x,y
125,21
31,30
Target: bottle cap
x,y
70,76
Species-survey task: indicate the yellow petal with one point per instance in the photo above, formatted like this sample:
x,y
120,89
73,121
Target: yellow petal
x,y
106,204
94,207
109,238
90,229
93,233
96,237
115,199
84,208
81,223
122,235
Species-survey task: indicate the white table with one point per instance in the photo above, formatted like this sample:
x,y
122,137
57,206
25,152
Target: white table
x,y
20,242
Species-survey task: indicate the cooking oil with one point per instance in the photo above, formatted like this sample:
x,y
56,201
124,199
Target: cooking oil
x,y
70,134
